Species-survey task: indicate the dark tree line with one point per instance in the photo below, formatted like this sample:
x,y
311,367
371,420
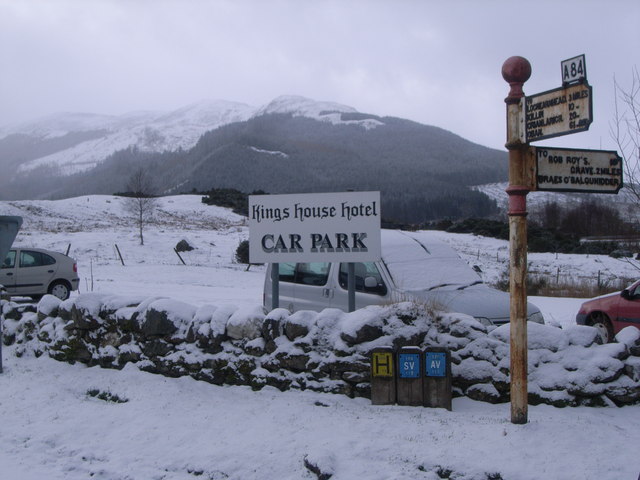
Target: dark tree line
x,y
590,218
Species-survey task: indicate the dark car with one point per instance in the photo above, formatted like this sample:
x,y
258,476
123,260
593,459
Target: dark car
x,y
34,272
611,313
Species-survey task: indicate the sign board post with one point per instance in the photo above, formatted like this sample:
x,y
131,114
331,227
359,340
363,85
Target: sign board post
x,y
437,378
351,285
516,71
409,384
275,286
9,226
383,376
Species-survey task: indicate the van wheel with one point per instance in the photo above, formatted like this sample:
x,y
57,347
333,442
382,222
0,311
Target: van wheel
x,y
602,323
59,289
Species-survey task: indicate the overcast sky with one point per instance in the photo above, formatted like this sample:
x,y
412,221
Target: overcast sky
x,y
435,62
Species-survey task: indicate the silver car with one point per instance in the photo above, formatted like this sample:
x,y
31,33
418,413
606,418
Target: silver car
x,y
415,266
34,272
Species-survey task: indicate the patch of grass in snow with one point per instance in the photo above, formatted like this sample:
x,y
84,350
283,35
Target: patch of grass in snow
x,y
106,396
550,285
445,473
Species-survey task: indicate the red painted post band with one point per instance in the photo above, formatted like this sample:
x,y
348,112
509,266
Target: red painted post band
x,y
517,200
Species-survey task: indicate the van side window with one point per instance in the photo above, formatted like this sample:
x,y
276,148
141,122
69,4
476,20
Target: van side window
x,y
9,260
287,272
314,273
363,270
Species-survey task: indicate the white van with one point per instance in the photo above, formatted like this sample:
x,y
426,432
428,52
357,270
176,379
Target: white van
x,y
414,266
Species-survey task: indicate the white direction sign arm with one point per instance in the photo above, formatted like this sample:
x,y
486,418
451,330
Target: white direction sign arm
x,y
557,112
578,170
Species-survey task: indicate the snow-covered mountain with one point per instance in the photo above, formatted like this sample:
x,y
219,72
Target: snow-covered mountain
x,y
148,131
323,111
67,152
291,144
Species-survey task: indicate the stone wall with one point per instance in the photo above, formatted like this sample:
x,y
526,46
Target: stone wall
x,y
327,351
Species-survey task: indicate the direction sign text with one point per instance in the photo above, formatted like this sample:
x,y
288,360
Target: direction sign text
x,y
577,170
557,112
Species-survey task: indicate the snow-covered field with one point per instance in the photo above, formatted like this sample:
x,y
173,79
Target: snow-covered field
x,y
183,429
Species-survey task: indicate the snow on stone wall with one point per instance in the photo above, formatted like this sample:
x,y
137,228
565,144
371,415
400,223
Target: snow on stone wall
x,y
327,351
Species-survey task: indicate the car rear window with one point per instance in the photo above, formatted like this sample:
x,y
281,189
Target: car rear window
x,y
30,258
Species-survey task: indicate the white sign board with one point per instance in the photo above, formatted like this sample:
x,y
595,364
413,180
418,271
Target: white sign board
x,y
557,112
315,227
574,69
578,170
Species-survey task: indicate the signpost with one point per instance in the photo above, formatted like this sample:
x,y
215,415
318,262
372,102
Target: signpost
x,y
561,111
314,227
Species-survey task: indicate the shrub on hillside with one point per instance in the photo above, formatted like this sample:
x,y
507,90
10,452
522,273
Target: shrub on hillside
x,y
230,198
539,239
242,252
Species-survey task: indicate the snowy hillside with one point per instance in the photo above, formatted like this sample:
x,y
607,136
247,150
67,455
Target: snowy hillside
x,y
154,131
92,226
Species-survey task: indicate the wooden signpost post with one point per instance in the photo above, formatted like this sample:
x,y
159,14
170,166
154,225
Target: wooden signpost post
x,y
561,111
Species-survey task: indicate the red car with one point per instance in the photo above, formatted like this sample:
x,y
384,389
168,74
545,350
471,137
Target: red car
x,y
611,313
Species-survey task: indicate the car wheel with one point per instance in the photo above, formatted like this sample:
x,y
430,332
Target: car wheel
x,y
602,323
59,289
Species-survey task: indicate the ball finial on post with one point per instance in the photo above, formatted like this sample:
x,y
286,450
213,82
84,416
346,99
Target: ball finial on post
x,y
516,70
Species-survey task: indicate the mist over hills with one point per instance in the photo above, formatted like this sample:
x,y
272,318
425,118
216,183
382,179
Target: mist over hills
x,y
293,144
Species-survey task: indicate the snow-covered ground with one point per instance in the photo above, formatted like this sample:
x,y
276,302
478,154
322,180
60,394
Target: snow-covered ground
x,y
184,429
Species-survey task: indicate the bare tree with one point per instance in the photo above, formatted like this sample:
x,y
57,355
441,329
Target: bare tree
x,y
140,202
625,131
